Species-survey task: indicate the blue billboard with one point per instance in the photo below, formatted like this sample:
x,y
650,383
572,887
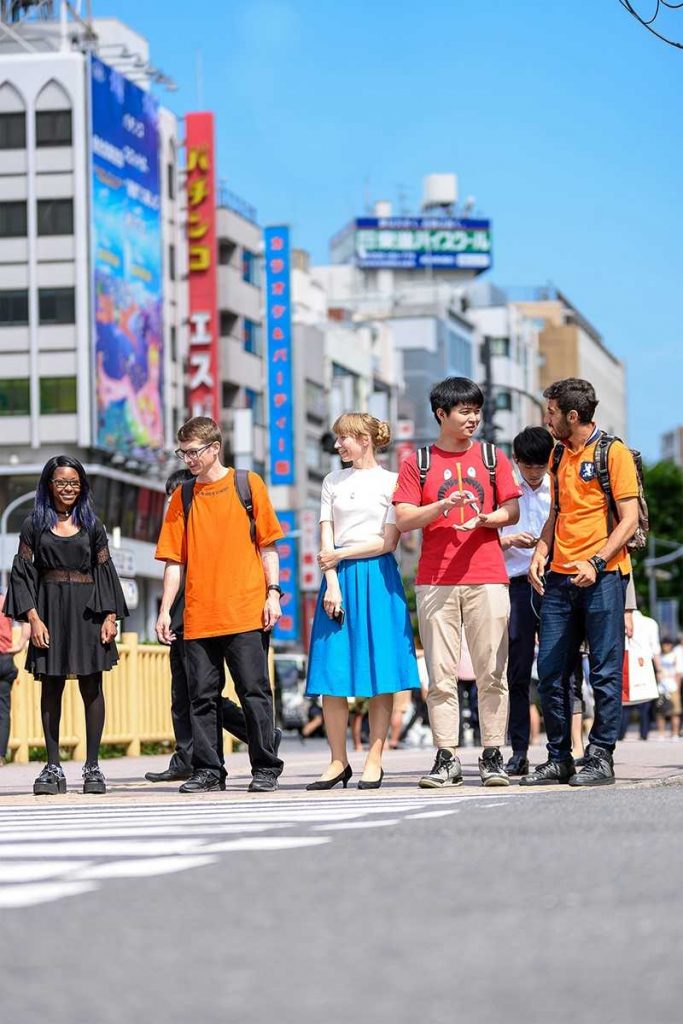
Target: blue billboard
x,y
411,243
287,629
127,264
279,348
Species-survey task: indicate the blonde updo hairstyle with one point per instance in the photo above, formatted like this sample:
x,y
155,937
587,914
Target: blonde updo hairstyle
x,y
359,424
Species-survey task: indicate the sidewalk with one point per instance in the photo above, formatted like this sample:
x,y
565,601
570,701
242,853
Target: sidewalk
x,y
637,764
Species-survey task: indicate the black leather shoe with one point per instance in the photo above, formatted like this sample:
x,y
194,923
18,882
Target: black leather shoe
x,y
598,769
169,775
552,773
203,781
362,784
93,779
343,777
518,765
50,781
263,781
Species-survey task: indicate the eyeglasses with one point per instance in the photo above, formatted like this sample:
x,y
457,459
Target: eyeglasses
x,y
190,454
66,485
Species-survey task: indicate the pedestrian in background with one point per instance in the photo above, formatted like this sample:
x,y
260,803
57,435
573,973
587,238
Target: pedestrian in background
x,y
460,503
8,673
64,584
531,452
583,585
232,602
362,638
644,632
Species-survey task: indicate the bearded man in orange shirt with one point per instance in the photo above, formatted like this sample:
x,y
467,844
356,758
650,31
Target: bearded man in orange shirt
x,y
584,584
232,602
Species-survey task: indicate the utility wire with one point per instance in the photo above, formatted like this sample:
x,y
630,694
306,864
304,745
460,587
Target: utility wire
x,y
628,6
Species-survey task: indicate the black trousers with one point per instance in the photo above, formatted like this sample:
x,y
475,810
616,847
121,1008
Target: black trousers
x,y
232,715
246,655
522,633
8,674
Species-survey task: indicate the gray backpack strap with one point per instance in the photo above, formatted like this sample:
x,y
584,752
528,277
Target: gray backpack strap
x,y
243,488
558,452
424,456
489,457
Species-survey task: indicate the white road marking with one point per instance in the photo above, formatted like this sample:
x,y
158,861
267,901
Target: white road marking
x,y
358,824
429,814
30,871
144,868
16,896
267,843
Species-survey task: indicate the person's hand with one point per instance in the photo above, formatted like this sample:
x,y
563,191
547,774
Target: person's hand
x,y
329,559
456,499
271,610
332,601
472,524
163,629
521,540
40,636
536,573
628,624
586,574
108,630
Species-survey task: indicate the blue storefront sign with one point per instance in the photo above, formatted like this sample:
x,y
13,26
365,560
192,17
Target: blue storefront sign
x,y
410,243
287,629
127,264
279,328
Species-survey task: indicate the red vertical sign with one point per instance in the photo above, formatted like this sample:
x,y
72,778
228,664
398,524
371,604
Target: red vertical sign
x,y
202,252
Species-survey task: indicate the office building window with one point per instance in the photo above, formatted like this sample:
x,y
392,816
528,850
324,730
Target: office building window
x,y
503,400
56,306
250,268
173,338
253,337
13,219
55,217
170,180
57,395
14,308
53,128
499,347
15,397
13,131
228,322
254,401
171,262
225,251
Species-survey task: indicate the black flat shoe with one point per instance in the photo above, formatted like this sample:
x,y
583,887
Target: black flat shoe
x,y
169,775
372,785
343,777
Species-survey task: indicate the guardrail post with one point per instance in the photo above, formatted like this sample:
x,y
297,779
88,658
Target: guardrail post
x,y
133,683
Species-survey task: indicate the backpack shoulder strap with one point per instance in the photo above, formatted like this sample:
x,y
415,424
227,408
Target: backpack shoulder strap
x,y
187,493
243,488
424,457
558,452
489,456
601,462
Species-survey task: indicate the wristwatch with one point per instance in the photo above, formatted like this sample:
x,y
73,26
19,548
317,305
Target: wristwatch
x,y
275,586
599,564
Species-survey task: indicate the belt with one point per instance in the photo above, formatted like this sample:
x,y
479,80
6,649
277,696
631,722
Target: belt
x,y
519,579
66,576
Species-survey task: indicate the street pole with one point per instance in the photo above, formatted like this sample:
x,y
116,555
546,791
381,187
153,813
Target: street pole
x,y
4,519
651,577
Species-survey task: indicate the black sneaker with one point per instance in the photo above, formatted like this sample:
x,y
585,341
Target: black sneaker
x,y
263,781
169,775
598,768
203,781
518,765
552,773
50,781
491,768
93,779
446,771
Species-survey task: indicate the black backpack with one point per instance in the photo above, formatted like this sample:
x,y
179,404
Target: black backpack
x,y
601,463
489,456
243,488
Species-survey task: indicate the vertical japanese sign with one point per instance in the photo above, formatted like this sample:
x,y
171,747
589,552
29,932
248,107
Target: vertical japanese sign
x,y
203,381
279,326
126,264
287,629
310,576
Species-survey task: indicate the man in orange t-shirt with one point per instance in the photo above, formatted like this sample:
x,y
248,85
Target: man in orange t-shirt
x,y
583,586
232,602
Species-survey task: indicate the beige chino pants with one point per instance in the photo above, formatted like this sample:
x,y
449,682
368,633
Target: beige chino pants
x,y
483,610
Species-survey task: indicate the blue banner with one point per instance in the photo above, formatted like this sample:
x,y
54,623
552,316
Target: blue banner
x,y
287,629
127,264
410,243
279,347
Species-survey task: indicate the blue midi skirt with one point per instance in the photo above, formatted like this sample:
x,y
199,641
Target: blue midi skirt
x,y
373,651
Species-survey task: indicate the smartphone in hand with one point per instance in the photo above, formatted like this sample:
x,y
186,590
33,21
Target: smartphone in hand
x,y
340,616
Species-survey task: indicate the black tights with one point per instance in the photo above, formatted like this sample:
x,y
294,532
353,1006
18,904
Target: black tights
x,y
52,690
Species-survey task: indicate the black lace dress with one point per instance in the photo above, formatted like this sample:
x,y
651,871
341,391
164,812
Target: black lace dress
x,y
73,584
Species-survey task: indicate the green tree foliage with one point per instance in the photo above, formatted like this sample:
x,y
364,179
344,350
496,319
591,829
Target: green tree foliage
x,y
664,493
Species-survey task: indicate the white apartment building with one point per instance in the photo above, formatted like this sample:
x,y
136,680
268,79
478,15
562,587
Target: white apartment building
x,y
53,387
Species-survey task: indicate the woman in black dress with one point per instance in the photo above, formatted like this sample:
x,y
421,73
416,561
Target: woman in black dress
x,y
64,583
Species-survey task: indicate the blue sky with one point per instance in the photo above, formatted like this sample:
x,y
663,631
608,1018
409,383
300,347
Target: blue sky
x,y
563,119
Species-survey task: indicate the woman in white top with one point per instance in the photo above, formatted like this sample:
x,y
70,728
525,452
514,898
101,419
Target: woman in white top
x,y
362,638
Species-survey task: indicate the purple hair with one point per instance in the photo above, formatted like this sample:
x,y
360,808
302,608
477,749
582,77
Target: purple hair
x,y
44,514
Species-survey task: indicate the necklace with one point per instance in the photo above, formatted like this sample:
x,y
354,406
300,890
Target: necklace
x,y
63,516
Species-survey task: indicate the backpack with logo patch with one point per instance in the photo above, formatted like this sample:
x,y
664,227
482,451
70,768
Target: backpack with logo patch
x,y
243,488
489,457
601,464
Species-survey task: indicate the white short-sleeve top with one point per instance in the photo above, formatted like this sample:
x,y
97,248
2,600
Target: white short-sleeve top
x,y
358,504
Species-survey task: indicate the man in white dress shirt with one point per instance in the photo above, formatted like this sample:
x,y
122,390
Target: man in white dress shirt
x,y
531,450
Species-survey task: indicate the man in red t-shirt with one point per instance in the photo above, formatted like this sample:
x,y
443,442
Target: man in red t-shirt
x,y
461,578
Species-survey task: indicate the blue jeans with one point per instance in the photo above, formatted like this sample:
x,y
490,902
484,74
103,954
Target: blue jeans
x,y
568,615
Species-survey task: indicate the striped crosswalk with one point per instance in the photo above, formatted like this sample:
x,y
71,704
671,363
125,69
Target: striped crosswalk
x,y
54,851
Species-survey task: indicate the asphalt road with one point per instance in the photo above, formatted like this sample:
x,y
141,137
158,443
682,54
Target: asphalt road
x,y
390,907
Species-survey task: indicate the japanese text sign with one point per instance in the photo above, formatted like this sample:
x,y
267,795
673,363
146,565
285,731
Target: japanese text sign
x,y
279,327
